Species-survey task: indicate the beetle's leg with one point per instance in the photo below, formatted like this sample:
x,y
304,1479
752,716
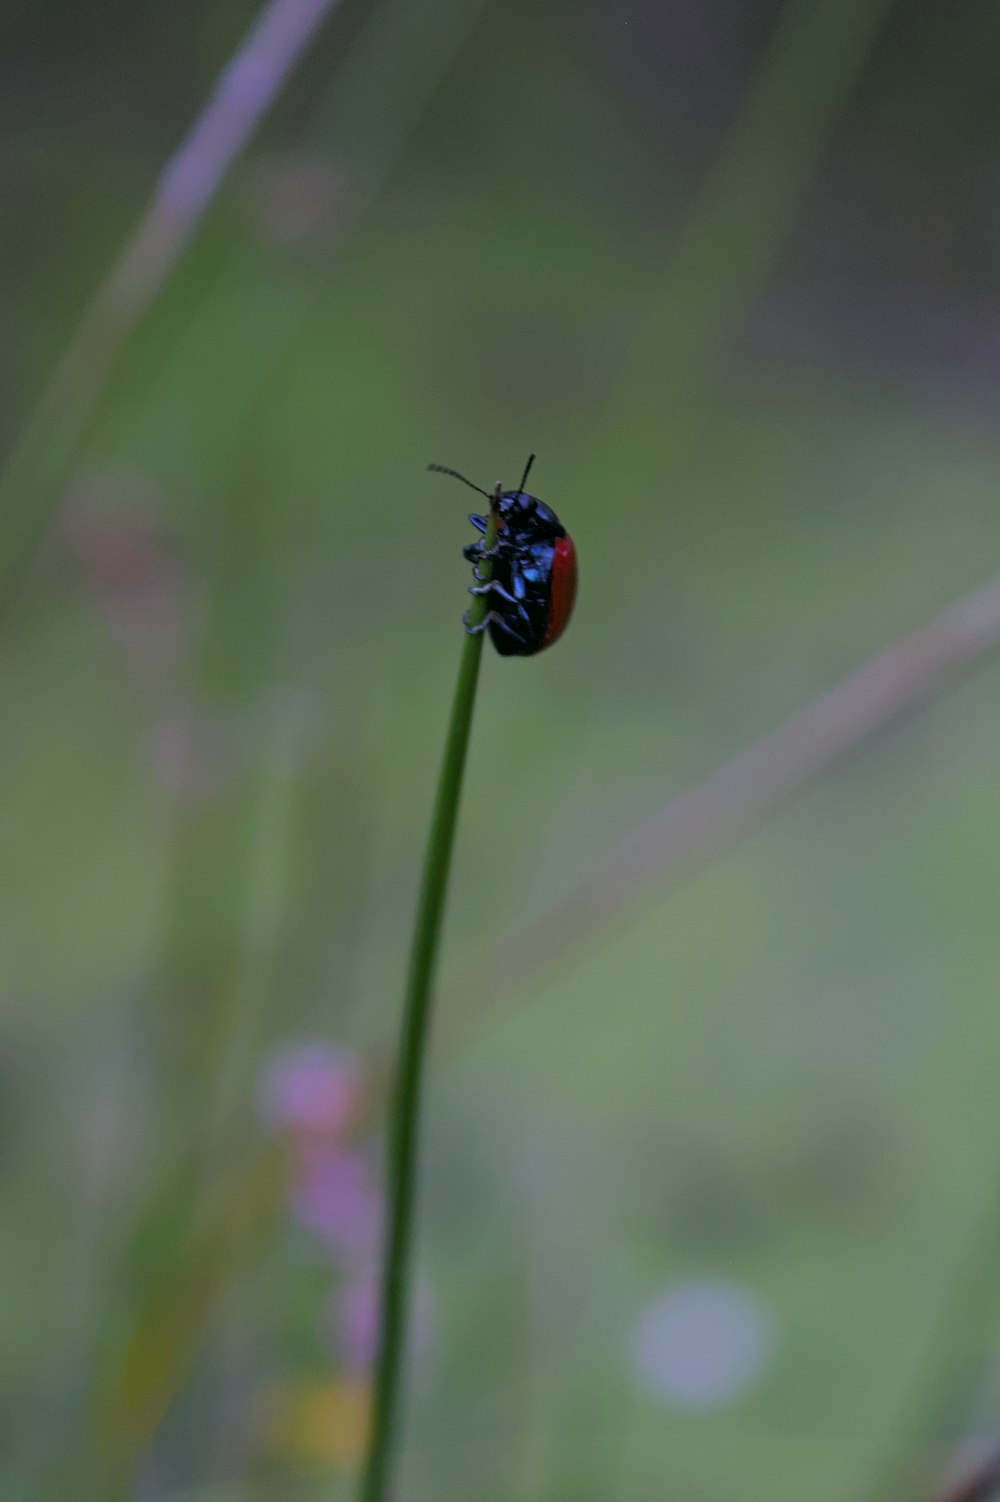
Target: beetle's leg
x,y
501,548
493,618
504,625
473,552
493,587
490,619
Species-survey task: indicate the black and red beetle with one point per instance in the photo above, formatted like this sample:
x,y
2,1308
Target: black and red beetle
x,y
533,586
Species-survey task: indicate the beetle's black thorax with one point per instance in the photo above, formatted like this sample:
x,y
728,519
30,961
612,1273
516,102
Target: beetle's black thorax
x,y
525,519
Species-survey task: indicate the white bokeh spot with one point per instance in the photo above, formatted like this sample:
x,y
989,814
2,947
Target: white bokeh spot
x,y
701,1344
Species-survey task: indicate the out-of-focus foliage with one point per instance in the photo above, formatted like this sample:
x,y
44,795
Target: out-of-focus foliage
x,y
706,1214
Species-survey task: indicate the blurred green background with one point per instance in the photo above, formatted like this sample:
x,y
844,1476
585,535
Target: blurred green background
x,y
708,1211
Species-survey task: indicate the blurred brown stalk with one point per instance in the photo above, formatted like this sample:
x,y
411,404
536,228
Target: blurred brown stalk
x,y
42,460
977,1484
687,831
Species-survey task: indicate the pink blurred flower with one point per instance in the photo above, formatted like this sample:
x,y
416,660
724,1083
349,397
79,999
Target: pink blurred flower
x,y
336,1198
311,1088
112,522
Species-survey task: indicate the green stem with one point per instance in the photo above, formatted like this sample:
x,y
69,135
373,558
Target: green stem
x,y
405,1108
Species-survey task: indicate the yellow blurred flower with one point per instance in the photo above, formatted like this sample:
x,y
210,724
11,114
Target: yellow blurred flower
x,y
319,1421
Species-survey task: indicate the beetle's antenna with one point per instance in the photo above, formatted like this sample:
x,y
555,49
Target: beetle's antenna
x,y
531,460
441,469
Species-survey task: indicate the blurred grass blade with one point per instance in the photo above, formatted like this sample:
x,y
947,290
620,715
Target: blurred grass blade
x,y
748,203
42,459
235,1224
740,220
162,1333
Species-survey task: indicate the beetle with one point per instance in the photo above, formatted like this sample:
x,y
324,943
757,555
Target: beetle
x,y
533,585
